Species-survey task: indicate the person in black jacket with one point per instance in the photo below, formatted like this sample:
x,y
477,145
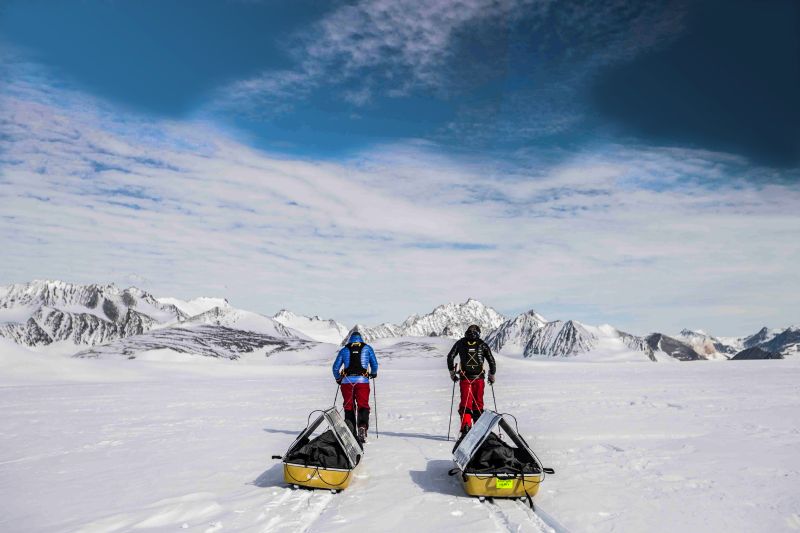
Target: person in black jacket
x,y
472,353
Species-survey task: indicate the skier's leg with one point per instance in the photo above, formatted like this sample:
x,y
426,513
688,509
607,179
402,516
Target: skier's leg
x,y
347,403
463,386
362,400
466,395
477,393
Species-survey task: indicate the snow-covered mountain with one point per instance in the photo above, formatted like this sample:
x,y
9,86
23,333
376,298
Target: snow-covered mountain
x,y
707,346
772,342
785,343
73,317
197,305
531,335
316,328
44,312
763,335
448,320
452,320
200,339
662,345
244,321
560,338
373,333
514,334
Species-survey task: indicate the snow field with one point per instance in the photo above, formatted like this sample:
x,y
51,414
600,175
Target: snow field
x,y
162,446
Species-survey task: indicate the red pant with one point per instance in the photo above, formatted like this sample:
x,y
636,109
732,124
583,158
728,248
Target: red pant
x,y
360,395
471,405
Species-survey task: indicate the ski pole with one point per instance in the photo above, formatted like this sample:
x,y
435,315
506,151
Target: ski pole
x,y
338,386
494,398
452,400
375,401
354,408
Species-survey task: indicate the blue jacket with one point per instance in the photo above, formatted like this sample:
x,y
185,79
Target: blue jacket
x,y
368,361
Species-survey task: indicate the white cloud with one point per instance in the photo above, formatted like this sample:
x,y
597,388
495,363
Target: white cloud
x,y
644,238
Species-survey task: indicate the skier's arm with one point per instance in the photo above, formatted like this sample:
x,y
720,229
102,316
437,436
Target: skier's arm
x,y
373,362
337,364
451,357
490,360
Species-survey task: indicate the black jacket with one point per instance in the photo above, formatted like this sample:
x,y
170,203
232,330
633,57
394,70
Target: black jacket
x,y
471,354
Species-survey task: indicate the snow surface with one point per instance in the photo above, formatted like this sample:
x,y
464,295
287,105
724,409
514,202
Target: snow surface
x,y
184,443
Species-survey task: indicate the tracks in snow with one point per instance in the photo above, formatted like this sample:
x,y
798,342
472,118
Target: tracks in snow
x,y
296,510
516,516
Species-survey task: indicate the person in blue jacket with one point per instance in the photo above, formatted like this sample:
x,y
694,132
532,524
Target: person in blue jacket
x,y
355,364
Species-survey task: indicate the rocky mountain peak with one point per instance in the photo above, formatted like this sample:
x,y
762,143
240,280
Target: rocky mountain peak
x,y
513,334
453,317
559,338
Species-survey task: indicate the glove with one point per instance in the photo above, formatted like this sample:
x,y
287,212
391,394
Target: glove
x,y
491,378
453,376
373,375
339,380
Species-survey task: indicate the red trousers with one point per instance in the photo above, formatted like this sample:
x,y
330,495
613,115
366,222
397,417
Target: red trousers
x,y
358,392
471,405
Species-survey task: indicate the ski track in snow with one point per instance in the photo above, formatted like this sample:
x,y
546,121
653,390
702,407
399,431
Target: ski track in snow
x,y
684,447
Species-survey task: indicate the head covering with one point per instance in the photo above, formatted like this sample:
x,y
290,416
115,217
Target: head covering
x,y
354,336
473,332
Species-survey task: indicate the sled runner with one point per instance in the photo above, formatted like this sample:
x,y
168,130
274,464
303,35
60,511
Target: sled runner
x,y
491,468
326,461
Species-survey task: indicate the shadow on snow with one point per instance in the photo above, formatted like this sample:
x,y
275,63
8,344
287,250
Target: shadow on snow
x,y
435,478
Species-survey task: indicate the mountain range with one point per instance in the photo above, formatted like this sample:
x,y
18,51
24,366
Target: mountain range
x,y
102,320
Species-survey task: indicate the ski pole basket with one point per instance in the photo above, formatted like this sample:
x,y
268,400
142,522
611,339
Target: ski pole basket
x,y
326,461
489,467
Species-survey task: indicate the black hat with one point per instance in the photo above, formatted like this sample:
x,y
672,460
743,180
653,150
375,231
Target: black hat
x,y
473,332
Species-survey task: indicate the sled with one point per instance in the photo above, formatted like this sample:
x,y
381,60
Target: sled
x,y
326,461
491,468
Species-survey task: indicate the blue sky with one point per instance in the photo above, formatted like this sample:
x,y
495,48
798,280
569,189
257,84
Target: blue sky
x,y
582,159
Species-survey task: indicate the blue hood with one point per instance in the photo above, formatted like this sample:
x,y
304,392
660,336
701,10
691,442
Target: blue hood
x,y
355,337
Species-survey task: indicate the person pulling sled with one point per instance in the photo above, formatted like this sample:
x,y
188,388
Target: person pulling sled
x,y
472,353
354,366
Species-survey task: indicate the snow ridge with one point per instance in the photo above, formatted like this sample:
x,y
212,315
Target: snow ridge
x,y
316,328
205,340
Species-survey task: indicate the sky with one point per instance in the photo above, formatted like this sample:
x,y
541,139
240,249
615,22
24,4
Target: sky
x,y
631,163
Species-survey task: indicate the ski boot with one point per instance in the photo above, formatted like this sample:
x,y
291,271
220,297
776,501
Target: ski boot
x,y
362,434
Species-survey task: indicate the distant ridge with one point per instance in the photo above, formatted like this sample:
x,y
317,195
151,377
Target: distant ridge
x,y
76,318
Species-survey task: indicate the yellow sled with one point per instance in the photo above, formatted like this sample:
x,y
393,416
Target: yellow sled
x,y
523,484
318,476
501,485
